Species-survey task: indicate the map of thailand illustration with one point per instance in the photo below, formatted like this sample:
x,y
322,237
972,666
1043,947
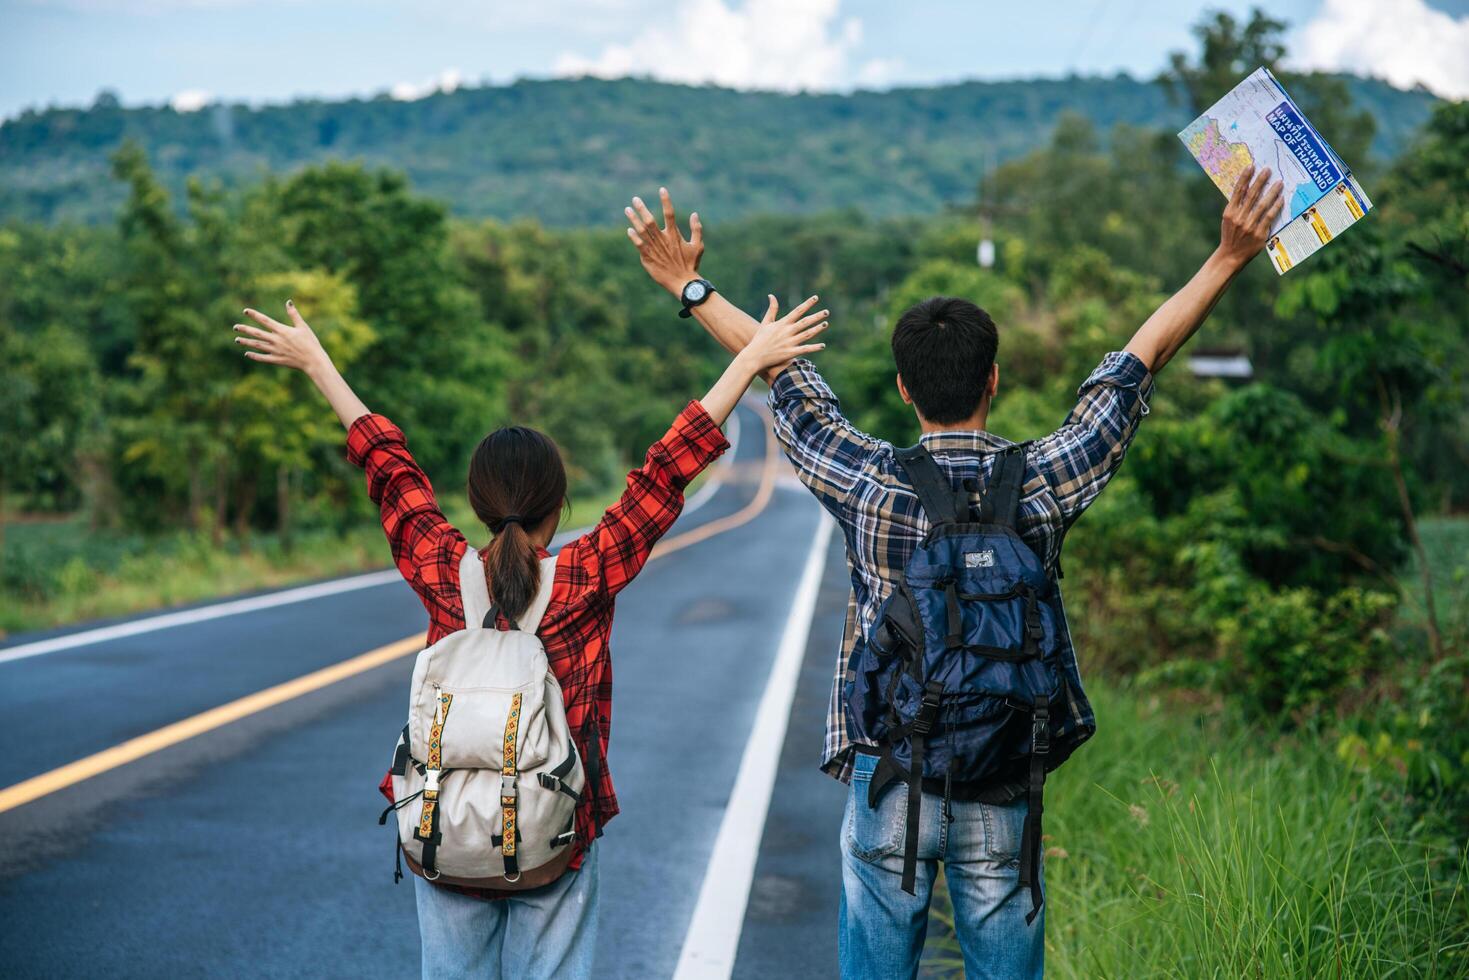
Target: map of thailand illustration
x,y
1258,123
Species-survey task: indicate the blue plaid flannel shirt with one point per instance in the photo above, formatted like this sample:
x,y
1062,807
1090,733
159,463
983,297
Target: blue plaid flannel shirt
x,y
855,476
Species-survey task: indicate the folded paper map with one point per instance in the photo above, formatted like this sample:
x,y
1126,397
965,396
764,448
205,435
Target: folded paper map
x,y
1258,124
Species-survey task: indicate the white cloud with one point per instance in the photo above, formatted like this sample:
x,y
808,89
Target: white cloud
x,y
1404,41
190,100
879,72
786,45
446,81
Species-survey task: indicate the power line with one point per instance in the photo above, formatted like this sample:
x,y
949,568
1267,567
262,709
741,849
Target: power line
x,y
1086,35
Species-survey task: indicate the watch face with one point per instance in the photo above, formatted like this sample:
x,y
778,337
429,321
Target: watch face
x,y
694,292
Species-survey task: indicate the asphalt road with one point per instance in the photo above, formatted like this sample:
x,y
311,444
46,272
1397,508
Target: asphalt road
x,y
253,849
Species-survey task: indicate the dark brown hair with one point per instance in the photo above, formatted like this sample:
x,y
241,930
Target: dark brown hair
x,y
516,481
945,350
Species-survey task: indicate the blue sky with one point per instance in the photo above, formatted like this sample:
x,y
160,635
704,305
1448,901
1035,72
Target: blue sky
x,y
191,51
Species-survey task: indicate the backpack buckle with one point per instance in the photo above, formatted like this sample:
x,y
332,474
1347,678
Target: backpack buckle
x,y
928,711
1040,726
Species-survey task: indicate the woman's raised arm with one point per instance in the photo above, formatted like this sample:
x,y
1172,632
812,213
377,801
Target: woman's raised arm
x,y
775,343
298,347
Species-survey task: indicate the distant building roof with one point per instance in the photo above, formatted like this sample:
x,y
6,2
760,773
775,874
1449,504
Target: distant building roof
x,y
1221,364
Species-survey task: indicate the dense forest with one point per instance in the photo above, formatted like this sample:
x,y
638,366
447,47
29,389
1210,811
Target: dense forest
x,y
1290,551
563,151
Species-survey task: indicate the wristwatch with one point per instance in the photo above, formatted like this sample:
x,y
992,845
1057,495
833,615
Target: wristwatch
x,y
695,291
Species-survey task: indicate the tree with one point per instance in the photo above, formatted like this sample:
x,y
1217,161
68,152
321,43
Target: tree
x,y
1381,360
1431,187
175,395
433,362
1230,50
277,423
48,407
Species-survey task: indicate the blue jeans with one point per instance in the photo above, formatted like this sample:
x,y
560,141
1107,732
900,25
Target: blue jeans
x,y
546,932
882,927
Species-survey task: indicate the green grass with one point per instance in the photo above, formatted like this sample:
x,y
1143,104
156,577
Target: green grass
x,y
1189,846
1194,845
59,572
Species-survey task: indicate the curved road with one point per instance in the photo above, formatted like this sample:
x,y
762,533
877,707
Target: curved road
x,y
246,843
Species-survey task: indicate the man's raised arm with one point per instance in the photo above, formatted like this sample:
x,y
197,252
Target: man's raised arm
x,y
673,261
1245,228
827,451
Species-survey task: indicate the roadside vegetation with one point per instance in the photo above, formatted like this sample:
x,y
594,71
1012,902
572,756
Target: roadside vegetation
x,y
1271,598
1184,844
58,570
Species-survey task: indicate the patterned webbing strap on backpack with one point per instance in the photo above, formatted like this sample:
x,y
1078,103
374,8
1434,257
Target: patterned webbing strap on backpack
x,y
428,819
508,793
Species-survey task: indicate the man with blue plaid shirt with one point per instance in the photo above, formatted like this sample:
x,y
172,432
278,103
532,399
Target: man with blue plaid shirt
x,y
944,351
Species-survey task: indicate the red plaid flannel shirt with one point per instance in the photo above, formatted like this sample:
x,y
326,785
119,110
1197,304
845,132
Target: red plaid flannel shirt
x,y
590,571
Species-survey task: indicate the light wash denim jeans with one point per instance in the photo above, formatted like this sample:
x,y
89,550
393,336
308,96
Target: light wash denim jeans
x,y
547,932
882,927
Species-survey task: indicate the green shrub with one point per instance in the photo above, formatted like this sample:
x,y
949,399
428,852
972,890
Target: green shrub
x,y
1248,550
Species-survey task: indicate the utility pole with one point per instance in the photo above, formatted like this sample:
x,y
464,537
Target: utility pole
x,y
985,254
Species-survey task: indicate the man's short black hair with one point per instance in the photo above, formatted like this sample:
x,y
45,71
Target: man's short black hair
x,y
945,349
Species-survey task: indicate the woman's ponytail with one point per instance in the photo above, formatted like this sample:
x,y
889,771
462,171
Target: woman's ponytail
x,y
512,570
516,482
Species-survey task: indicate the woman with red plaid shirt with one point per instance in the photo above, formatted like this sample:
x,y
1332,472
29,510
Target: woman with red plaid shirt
x,y
517,487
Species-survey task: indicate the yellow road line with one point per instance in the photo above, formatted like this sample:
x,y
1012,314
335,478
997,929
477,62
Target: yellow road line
x,y
83,769
742,516
161,738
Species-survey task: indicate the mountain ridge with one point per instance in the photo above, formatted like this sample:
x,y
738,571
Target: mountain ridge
x,y
567,151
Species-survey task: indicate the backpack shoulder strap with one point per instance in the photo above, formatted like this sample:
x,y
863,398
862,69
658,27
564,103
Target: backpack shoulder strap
x,y
1002,499
472,588
937,495
531,620
480,608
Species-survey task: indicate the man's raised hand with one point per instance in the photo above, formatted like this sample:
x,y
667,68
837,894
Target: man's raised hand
x,y
1249,215
667,257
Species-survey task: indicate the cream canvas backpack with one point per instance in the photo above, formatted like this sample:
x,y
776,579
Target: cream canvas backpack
x,y
486,777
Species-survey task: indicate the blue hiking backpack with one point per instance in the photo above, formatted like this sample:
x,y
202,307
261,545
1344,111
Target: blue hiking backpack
x,y
961,680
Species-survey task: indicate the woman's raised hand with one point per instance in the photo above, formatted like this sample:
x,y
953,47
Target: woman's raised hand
x,y
774,344
779,341
297,347
274,342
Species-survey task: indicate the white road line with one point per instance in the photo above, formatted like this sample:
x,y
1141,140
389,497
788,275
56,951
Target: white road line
x,y
303,593
713,937
216,611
